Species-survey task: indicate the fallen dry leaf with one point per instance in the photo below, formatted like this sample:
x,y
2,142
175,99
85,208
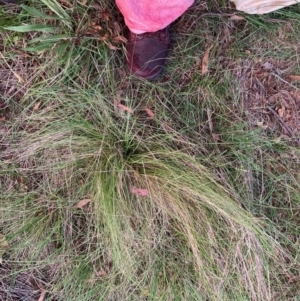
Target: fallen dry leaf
x,y
124,108
261,125
294,77
205,61
81,203
139,191
149,112
236,18
117,27
36,106
42,296
101,273
96,27
112,47
106,15
280,112
216,137
19,77
120,39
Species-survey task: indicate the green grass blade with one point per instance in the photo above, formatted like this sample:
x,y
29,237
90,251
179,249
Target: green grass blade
x,y
58,10
32,27
37,13
53,39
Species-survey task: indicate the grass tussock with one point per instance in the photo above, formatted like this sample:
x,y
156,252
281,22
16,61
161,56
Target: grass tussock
x,y
119,189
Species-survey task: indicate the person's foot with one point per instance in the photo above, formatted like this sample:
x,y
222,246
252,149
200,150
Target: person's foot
x,y
147,53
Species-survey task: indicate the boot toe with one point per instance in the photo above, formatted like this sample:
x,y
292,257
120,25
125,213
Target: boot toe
x,y
147,53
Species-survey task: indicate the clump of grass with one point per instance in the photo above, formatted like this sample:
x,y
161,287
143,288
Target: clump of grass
x,y
188,238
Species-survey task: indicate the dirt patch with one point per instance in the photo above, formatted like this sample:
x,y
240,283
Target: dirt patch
x,y
17,74
269,96
21,286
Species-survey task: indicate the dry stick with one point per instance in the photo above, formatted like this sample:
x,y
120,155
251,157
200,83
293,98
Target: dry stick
x,y
287,128
286,82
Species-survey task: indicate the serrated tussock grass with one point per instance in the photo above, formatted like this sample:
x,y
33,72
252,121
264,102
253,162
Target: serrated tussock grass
x,y
187,238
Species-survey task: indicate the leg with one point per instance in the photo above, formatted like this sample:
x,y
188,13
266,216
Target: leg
x,y
151,15
148,37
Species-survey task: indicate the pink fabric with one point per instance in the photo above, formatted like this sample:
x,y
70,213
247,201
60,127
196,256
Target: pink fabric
x,y
151,15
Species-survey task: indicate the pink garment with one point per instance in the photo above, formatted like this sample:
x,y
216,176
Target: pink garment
x,y
151,15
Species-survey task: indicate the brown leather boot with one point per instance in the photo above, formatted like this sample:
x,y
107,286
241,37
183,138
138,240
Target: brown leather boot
x,y
147,53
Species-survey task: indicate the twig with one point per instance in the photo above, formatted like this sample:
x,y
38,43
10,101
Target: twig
x,y
287,128
284,81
